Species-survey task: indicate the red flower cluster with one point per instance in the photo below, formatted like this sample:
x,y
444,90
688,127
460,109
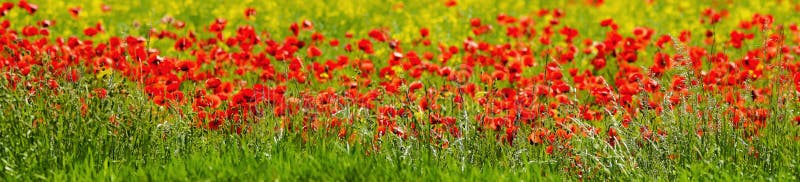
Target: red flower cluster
x,y
529,85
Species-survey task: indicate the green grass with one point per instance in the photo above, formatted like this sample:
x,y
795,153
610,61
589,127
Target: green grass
x,y
151,144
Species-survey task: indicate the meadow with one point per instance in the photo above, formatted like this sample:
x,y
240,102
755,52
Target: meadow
x,y
454,90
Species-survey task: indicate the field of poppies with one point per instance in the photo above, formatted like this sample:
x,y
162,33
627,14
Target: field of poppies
x,y
399,90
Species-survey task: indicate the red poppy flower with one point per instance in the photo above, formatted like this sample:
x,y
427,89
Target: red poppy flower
x,y
30,8
424,32
450,3
313,52
183,44
75,11
366,46
73,76
612,137
249,12
106,8
378,35
213,83
100,93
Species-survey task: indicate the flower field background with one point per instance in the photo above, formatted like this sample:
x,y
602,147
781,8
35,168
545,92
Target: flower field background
x,y
396,90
